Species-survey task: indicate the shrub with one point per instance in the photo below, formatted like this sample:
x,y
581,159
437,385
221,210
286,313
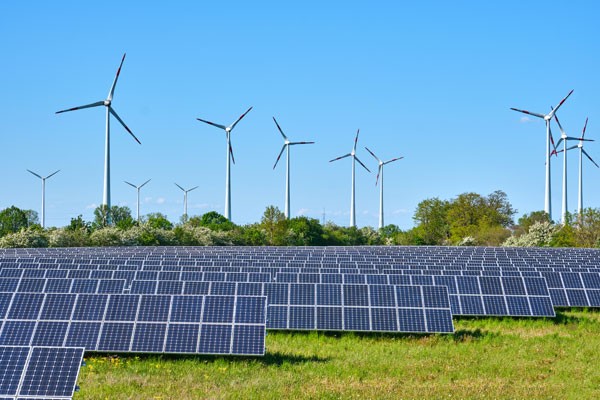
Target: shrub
x,y
30,237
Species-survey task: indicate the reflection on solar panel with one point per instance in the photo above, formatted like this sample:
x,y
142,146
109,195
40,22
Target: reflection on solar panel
x,y
39,372
136,323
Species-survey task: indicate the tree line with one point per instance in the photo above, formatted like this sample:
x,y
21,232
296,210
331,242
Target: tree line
x,y
469,219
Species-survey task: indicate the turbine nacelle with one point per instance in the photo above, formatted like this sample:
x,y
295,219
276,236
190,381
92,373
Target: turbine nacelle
x,y
107,103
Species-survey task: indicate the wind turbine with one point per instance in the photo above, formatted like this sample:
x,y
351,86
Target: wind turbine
x,y
547,118
138,197
581,153
353,155
564,138
43,194
185,192
287,145
109,110
380,172
229,153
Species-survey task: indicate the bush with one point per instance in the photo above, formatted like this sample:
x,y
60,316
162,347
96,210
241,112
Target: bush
x,y
541,234
106,237
30,237
69,237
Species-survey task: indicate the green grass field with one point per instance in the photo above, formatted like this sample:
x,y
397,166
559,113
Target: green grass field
x,y
495,358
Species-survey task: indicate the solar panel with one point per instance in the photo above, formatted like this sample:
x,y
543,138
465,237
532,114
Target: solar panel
x,y
39,372
128,322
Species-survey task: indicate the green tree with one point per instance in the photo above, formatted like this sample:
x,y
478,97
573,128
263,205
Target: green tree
x,y
214,221
158,220
78,223
527,220
274,223
587,223
12,219
116,214
32,217
304,231
431,220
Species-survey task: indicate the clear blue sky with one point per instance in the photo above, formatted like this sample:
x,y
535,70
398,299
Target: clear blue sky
x,y
431,81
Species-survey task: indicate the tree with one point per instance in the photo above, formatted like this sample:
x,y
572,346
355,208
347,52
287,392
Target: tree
x,y
527,220
587,223
32,217
78,223
12,219
274,223
304,231
117,214
214,221
158,220
430,217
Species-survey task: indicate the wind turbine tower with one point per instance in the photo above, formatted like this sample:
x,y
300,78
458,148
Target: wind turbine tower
x,y
138,197
229,156
287,145
43,194
547,118
185,192
352,198
109,110
380,172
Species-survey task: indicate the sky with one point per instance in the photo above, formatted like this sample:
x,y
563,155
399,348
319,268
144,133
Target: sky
x,y
430,81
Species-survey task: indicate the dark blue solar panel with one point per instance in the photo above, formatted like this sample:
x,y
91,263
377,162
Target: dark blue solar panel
x,y
329,318
83,334
149,338
435,297
218,309
249,289
122,307
198,288
222,288
277,293
250,310
356,319
248,339
439,320
329,295
302,317
5,299
559,297
50,333
58,307
58,286
409,296
594,298
302,294
467,285
495,305
471,305
90,307
382,296
110,286
154,308
277,317
9,285
536,286
182,338
591,280
17,333
186,309
577,298
12,364
541,306
84,286
215,339
31,285
384,319
170,287
143,287
513,286
115,336
356,295
25,306
411,320
518,305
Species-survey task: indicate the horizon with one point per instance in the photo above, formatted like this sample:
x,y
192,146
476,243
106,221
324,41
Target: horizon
x,y
431,84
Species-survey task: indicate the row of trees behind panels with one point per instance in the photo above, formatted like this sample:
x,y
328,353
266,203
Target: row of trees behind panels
x,y
469,219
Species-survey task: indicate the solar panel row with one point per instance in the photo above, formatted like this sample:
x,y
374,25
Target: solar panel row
x,y
135,323
39,372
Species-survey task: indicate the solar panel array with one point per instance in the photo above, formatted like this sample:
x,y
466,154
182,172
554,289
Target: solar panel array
x,y
135,323
39,372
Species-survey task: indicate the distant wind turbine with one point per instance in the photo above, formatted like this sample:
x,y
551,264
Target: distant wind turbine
x,y
185,192
547,118
109,110
287,145
43,194
352,198
581,153
564,138
380,172
229,153
138,197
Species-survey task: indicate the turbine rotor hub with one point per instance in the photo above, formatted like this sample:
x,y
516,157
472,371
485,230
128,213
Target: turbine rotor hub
x,y
107,103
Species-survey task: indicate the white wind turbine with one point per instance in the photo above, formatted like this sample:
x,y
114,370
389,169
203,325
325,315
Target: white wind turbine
x,y
138,197
353,155
185,192
43,194
380,172
564,138
109,110
229,153
581,153
547,118
287,145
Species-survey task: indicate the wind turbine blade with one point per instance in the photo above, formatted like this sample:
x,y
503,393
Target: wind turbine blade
x,y
294,143
562,132
142,185
339,158
557,144
212,123
195,187
112,88
362,164
240,118
123,123
551,138
528,113
52,174
231,152
279,156
355,140
392,160
572,147
581,140
560,104
378,172
280,131
180,187
373,154
131,184
96,104
35,174
588,156
584,127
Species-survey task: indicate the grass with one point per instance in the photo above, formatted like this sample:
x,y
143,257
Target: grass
x,y
487,358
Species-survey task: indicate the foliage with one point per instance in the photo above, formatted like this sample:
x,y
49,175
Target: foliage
x,y
304,231
274,223
541,234
78,223
116,214
12,220
32,217
587,223
26,237
430,218
69,237
158,221
214,221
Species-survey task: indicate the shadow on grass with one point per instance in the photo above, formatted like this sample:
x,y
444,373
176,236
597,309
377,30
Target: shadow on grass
x,y
461,335
267,359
